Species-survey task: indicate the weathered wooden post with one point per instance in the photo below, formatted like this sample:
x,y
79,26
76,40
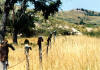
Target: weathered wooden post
x,y
49,42
40,39
27,48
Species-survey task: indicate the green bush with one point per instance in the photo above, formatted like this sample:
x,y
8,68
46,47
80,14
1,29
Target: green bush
x,y
63,31
93,34
46,32
41,31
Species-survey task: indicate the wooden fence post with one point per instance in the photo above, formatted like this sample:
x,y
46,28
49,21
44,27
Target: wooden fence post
x,y
27,62
27,48
49,42
40,39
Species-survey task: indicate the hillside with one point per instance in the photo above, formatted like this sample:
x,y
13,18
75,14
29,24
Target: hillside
x,y
75,20
74,16
68,22
87,24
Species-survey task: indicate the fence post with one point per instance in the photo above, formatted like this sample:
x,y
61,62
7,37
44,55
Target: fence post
x,y
49,42
40,39
27,48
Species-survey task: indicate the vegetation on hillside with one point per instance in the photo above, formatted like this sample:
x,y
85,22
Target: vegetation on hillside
x,y
79,20
88,12
63,22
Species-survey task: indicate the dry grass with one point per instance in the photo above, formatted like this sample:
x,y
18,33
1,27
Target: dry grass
x,y
67,53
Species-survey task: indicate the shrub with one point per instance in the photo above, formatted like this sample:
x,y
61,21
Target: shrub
x,y
93,33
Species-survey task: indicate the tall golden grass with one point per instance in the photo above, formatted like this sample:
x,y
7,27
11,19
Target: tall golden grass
x,y
67,53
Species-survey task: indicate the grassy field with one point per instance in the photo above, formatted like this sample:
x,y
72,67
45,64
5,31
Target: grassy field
x,y
67,53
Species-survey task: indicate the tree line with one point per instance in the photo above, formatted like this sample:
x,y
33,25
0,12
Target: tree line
x,y
88,12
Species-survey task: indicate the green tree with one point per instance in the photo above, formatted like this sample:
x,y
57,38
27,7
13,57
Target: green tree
x,y
23,24
8,5
81,22
48,7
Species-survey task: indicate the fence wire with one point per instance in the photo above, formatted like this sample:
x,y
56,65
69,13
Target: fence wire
x,y
44,50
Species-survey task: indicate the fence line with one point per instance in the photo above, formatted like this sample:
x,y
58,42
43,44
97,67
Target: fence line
x,y
25,59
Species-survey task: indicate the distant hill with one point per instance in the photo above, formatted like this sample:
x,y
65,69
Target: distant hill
x,y
88,12
85,21
74,16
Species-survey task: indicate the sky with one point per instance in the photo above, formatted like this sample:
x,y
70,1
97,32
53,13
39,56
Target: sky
x,y
93,5
67,5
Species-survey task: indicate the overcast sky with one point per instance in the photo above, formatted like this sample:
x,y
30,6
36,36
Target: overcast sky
x,y
86,4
